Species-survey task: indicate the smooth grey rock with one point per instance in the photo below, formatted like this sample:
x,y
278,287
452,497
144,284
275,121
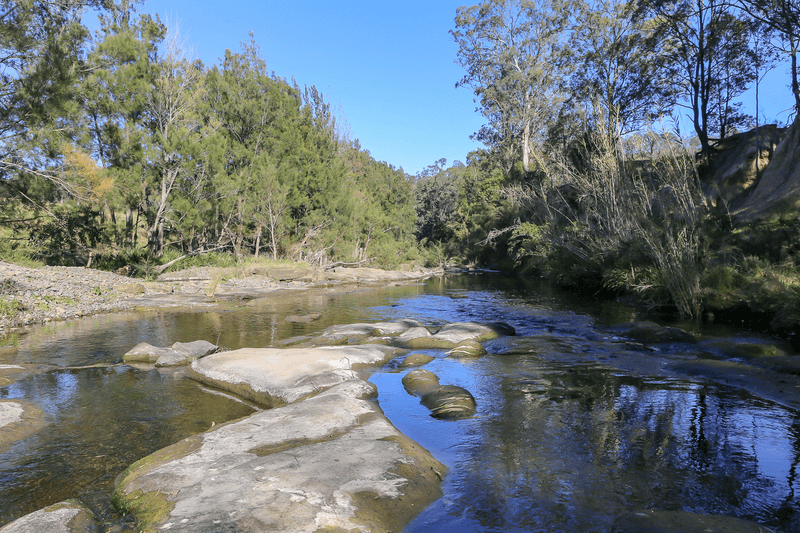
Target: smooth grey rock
x,y
413,333
144,353
277,376
459,332
416,359
331,462
444,401
171,357
65,517
379,328
195,348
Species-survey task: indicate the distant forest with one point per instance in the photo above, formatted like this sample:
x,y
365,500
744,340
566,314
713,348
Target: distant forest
x,y
117,147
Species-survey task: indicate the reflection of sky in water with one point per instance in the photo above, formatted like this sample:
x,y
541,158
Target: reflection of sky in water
x,y
547,450
555,446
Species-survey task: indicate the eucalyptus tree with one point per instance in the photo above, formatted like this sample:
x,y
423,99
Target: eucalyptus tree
x,y
783,18
712,63
617,75
512,51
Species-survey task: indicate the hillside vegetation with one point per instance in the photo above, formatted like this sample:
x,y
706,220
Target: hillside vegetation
x,y
118,150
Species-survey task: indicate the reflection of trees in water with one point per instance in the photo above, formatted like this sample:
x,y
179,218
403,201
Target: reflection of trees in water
x,y
572,448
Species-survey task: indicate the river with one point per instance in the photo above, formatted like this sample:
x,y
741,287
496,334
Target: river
x,y
575,426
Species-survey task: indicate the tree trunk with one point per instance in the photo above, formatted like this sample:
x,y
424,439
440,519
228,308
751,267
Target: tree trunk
x,y
795,85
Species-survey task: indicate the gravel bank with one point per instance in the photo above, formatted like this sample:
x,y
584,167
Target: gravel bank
x,y
38,295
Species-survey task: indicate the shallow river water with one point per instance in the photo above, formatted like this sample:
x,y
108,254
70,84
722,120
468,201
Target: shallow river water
x,y
574,426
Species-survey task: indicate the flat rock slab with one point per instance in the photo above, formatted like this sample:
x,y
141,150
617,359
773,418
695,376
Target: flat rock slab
x,y
277,376
18,419
683,522
328,463
65,517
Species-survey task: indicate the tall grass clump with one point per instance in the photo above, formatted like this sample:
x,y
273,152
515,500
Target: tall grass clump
x,y
629,212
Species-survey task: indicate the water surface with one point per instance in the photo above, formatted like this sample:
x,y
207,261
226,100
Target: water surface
x,y
564,439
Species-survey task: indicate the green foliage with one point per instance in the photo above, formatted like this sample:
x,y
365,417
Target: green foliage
x,y
10,307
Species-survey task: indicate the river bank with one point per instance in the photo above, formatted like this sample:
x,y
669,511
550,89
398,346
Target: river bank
x,y
31,296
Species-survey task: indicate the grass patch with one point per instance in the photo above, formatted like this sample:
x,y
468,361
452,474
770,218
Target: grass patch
x,y
9,307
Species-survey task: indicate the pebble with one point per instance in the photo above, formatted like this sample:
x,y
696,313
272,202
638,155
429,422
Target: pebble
x,y
57,293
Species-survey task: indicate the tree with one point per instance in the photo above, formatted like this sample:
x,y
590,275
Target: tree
x,y
41,45
114,94
783,18
618,74
177,130
713,62
511,51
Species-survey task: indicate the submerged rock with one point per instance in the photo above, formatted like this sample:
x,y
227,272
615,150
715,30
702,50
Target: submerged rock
x,y
683,522
444,401
332,462
18,419
303,319
277,376
70,516
650,332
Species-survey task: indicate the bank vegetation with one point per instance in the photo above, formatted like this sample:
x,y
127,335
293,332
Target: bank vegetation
x,y
119,150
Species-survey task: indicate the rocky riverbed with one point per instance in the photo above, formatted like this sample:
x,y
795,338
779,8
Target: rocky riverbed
x,y
30,296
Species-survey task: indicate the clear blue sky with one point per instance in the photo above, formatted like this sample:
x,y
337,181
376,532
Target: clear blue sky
x,y
387,64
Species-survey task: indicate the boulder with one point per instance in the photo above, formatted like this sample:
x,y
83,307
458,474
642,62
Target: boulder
x,y
277,376
171,357
451,335
416,359
683,522
181,353
329,463
195,348
413,333
420,381
444,401
66,517
467,349
397,328
144,353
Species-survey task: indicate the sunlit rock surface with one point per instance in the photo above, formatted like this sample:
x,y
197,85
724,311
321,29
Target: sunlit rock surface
x,y
180,353
277,376
332,462
65,517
